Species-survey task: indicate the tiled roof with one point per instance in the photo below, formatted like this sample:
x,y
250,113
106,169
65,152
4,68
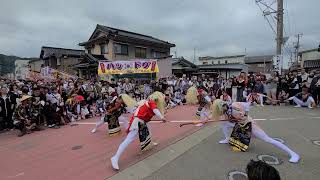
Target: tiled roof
x,y
220,57
183,61
129,34
258,59
58,52
223,66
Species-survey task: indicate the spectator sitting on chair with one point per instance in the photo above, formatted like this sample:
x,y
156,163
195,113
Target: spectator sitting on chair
x,y
303,99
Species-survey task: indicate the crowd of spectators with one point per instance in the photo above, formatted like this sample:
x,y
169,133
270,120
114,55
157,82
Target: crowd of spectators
x,y
32,105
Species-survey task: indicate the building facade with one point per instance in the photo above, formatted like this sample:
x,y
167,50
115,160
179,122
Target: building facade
x,y
226,66
182,66
21,68
310,59
61,59
210,60
111,44
260,64
116,44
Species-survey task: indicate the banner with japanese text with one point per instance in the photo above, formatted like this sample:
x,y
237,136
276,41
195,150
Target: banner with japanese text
x,y
50,74
128,67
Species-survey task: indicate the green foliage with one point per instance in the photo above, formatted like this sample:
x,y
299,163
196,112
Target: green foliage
x,y
7,64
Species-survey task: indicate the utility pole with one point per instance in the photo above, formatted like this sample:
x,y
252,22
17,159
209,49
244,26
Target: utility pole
x,y
279,33
297,47
194,55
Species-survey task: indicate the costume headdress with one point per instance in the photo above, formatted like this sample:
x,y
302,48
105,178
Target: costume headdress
x,y
192,95
217,108
158,97
129,101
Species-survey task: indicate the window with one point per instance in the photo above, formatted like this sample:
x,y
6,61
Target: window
x,y
59,61
226,62
121,49
204,63
141,52
104,48
260,65
158,54
89,51
218,62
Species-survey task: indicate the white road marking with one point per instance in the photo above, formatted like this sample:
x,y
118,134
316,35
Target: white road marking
x,y
187,121
303,137
20,174
288,118
260,119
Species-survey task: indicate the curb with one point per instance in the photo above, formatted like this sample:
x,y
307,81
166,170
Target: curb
x,y
154,162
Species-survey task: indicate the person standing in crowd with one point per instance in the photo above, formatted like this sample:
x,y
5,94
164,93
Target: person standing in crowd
x,y
293,83
251,82
315,86
241,84
54,100
6,109
304,75
272,84
234,89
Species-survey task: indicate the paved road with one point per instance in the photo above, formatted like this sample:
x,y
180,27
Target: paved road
x,y
209,160
74,153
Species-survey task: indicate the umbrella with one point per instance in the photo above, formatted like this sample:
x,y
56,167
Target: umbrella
x,y
79,98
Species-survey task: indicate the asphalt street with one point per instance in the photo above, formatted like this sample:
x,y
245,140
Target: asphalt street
x,y
297,127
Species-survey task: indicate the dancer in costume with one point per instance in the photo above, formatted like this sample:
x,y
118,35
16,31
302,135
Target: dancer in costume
x,y
115,113
236,113
201,96
154,105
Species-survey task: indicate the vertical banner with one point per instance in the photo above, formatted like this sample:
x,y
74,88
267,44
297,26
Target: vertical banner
x,y
278,63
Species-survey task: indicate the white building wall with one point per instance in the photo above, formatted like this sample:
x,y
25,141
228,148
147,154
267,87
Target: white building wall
x,y
21,69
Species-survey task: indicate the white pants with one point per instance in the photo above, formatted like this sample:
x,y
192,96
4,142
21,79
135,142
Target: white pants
x,y
130,137
309,101
234,94
258,133
121,119
204,114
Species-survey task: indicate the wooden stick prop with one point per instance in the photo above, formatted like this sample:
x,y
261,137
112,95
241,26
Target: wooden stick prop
x,y
198,122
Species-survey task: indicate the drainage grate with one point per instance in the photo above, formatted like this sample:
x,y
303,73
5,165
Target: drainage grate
x,y
272,160
76,147
237,175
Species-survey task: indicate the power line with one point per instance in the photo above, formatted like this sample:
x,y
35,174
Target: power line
x,y
266,19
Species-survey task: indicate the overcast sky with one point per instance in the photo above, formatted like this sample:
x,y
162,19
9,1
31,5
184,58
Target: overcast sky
x,y
212,27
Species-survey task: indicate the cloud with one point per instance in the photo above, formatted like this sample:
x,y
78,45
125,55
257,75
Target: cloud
x,y
212,27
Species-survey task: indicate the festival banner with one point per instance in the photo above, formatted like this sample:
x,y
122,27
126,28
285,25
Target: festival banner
x,y
50,74
128,67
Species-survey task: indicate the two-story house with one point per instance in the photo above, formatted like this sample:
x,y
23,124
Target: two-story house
x,y
262,64
111,44
226,66
310,59
61,59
